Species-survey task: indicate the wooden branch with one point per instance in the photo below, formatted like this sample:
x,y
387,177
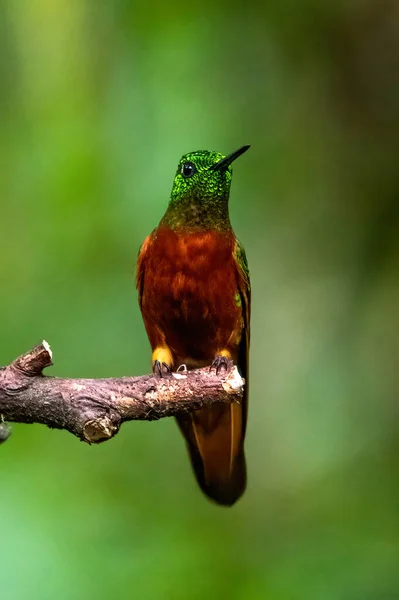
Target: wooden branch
x,y
94,409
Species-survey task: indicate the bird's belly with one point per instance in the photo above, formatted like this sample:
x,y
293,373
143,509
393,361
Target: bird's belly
x,y
198,312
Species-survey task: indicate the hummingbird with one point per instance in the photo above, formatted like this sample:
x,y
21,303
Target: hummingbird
x,y
194,294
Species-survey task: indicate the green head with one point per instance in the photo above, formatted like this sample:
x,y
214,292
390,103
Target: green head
x,y
200,193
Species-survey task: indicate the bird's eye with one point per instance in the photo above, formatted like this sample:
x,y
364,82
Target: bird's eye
x,y
188,169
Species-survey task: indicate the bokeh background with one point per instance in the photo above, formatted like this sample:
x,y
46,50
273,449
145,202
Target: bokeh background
x,y
98,100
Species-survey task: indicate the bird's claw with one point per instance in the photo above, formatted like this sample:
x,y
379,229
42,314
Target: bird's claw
x,y
218,362
161,369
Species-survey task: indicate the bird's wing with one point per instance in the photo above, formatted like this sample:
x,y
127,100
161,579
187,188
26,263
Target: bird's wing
x,y
244,290
140,268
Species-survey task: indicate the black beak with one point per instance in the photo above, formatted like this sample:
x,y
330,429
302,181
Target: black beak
x,y
227,160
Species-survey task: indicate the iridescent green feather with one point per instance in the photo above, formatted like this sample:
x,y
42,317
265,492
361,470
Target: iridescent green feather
x,y
241,259
200,202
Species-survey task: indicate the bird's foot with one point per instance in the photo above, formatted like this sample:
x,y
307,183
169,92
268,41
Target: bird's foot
x,y
160,369
219,362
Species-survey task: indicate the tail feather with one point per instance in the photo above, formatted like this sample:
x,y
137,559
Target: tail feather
x,y
214,439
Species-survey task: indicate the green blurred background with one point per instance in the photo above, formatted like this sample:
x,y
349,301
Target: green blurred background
x,y
98,101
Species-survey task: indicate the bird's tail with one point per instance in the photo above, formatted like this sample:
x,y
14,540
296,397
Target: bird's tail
x,y
215,438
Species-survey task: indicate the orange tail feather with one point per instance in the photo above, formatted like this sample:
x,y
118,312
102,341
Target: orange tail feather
x,y
215,438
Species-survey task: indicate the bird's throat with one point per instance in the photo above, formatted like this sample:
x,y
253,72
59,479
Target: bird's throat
x,y
193,214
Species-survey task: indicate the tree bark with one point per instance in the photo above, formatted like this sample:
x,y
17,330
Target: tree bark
x,y
94,409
